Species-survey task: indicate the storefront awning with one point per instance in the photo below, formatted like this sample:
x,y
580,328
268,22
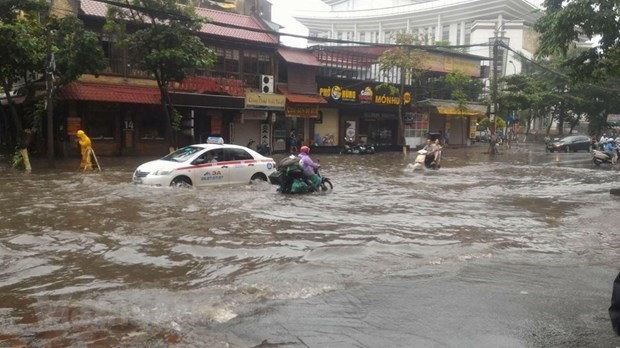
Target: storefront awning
x,y
207,101
450,107
301,98
110,93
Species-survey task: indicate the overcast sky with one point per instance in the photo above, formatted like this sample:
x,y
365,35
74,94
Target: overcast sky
x,y
281,14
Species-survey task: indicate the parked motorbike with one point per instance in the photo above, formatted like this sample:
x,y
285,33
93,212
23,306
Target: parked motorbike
x,y
262,149
290,178
351,147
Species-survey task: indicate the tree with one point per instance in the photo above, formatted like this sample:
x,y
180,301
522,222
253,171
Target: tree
x,y
460,85
565,21
37,44
548,91
22,54
405,63
163,42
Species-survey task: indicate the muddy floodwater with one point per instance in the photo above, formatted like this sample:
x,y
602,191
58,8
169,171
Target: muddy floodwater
x,y
390,258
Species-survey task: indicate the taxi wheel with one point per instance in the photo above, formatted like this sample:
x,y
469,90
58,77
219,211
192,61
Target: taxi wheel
x,y
181,181
258,176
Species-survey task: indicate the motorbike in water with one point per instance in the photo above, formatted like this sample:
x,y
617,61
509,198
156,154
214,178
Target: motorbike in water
x,y
290,178
602,157
426,160
351,147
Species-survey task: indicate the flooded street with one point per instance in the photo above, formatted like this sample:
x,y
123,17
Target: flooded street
x,y
516,250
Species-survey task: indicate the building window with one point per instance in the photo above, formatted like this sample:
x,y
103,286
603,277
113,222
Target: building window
x,y
254,65
362,36
445,33
101,121
151,127
458,34
226,64
467,33
339,36
387,38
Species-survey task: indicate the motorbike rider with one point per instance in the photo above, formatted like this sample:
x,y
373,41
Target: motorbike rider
x,y
433,152
609,146
309,166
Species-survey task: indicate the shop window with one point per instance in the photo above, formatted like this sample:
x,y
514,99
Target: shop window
x,y
101,123
152,128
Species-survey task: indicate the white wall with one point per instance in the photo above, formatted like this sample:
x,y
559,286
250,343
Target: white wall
x,y
483,30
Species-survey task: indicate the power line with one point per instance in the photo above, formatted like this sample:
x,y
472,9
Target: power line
x,y
279,34
557,73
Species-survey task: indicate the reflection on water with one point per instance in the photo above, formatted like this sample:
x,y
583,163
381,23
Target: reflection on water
x,y
94,258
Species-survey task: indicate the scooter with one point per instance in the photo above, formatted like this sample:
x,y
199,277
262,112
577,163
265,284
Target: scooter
x,y
290,178
601,157
423,160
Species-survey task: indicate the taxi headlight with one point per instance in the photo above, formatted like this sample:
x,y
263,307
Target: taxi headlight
x,y
162,172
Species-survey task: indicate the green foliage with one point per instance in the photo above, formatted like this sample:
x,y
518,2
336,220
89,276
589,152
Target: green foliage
x,y
76,50
404,58
33,116
165,44
18,160
177,118
485,122
459,83
566,20
29,36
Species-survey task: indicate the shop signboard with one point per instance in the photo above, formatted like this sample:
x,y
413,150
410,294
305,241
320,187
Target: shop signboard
x,y
301,110
265,101
372,94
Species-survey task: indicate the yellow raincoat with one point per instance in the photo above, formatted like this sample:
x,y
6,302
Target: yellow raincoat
x,y
85,149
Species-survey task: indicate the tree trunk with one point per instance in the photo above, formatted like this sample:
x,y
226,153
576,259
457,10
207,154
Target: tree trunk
x,y
165,103
17,122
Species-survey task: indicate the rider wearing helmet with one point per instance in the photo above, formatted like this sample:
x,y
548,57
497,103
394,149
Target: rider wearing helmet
x,y
306,162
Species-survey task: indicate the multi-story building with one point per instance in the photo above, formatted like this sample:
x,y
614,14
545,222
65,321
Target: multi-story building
x,y
470,23
236,98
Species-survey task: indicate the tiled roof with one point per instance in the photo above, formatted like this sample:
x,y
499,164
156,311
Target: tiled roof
x,y
110,93
298,56
302,98
253,25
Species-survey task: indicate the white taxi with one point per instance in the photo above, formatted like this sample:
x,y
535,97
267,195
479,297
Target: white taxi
x,y
204,165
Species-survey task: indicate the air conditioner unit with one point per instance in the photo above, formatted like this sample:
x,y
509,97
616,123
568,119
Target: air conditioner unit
x,y
266,83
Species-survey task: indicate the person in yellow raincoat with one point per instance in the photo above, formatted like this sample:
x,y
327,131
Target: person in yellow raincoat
x,y
85,149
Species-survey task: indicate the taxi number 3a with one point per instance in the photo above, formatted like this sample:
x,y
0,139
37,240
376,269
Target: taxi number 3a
x,y
213,175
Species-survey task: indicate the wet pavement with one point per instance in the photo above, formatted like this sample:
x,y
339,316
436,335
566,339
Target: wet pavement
x,y
513,250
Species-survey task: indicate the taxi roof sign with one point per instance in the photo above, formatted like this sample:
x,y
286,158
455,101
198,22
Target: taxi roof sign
x,y
215,140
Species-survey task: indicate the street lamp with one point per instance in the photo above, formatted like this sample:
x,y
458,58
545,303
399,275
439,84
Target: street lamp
x,y
514,72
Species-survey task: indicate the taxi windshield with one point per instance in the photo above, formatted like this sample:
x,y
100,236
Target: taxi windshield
x,y
182,154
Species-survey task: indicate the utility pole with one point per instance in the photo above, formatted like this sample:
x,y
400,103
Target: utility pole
x,y
49,84
495,87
